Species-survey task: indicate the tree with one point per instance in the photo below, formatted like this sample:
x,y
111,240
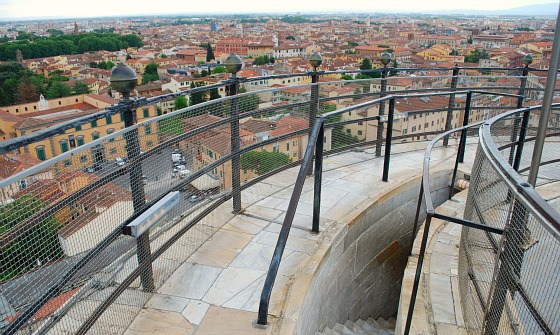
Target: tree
x,y
150,73
347,77
58,89
197,97
214,94
93,64
262,162
209,53
180,103
219,69
151,68
163,56
203,73
26,92
291,37
366,64
39,244
81,87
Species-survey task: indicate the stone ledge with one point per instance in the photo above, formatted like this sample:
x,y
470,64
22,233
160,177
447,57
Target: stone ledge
x,y
438,307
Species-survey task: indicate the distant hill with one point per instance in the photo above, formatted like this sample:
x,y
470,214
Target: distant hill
x,y
550,9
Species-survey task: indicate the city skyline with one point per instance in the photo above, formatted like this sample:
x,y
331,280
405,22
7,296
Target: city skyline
x,y
38,9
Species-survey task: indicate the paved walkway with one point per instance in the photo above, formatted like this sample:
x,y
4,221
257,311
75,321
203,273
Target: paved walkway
x,y
216,291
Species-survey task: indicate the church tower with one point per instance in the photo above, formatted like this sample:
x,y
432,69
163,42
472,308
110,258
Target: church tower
x,y
19,56
76,29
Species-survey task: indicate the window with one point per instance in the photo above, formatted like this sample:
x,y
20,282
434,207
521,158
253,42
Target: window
x,y
40,150
348,131
360,123
150,144
23,183
113,151
148,129
94,124
414,116
78,128
146,112
83,158
80,140
404,131
426,125
359,132
295,144
122,116
287,146
67,163
413,128
108,119
295,154
110,131
94,135
63,145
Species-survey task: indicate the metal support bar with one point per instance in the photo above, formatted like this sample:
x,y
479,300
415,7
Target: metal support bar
x,y
468,223
388,139
380,126
462,143
521,140
451,105
285,230
516,121
417,216
417,275
314,107
318,177
235,159
546,104
137,189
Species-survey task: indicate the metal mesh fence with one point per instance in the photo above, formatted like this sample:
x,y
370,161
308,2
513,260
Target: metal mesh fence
x,y
507,283
61,220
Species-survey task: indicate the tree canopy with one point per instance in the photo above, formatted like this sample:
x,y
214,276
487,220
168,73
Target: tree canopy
x,y
66,45
262,162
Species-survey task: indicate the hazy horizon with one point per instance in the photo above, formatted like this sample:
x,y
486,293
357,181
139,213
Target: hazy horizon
x,y
13,10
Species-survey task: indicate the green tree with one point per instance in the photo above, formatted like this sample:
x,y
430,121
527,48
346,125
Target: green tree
x,y
209,53
180,103
214,94
27,92
352,44
151,68
366,64
38,245
219,69
291,37
150,73
248,102
81,88
197,97
93,64
58,89
347,77
163,56
262,162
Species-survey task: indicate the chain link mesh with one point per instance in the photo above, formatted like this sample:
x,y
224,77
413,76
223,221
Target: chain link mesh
x,y
508,283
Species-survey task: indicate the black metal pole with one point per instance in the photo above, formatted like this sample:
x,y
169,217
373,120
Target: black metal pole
x,y
388,140
235,159
462,143
417,275
380,126
516,121
451,105
314,108
521,141
417,216
318,175
138,197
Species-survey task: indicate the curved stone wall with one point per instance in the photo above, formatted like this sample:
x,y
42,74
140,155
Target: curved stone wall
x,y
357,271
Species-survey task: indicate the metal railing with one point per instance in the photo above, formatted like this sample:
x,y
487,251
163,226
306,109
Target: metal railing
x,y
506,280
63,252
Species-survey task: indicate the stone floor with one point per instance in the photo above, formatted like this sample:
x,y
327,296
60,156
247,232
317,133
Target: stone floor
x,y
216,291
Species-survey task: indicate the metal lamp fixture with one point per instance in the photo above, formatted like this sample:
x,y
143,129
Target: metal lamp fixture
x,y
528,59
154,215
385,58
123,79
233,63
315,60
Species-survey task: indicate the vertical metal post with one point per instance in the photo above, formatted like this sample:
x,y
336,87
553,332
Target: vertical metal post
x,y
235,159
380,125
388,139
517,120
417,216
318,177
462,143
451,105
417,275
314,108
521,141
546,104
137,189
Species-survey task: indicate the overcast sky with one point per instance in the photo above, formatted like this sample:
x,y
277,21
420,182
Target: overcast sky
x,y
78,8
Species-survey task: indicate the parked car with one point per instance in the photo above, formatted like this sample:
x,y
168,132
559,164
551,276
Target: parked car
x,y
194,198
179,168
119,161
